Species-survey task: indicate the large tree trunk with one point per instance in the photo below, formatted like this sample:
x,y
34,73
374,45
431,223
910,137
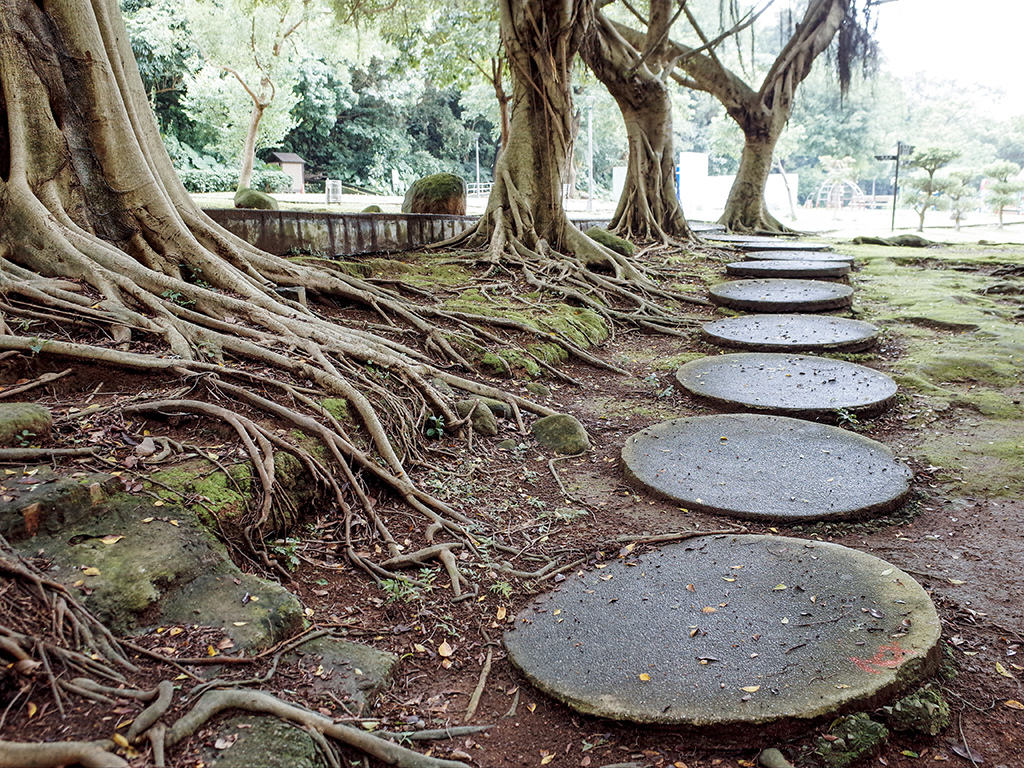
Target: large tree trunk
x,y
648,208
761,114
524,214
745,209
88,194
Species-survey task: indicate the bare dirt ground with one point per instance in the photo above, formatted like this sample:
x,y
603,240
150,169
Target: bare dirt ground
x,y
965,548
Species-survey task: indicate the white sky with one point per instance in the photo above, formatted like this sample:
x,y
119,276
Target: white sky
x,y
972,41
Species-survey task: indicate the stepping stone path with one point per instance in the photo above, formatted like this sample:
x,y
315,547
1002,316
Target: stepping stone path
x,y
788,268
743,634
792,333
730,631
703,227
797,256
763,467
792,385
773,295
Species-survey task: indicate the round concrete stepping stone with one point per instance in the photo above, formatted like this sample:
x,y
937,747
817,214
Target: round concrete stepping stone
x,y
791,385
792,333
730,631
788,268
774,295
766,467
798,256
705,227
753,243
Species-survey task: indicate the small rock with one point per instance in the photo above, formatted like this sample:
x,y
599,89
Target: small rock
x,y
561,433
925,711
146,448
483,419
507,445
499,408
859,737
773,758
443,387
23,423
537,389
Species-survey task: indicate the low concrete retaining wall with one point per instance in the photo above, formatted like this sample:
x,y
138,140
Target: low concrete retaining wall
x,y
344,234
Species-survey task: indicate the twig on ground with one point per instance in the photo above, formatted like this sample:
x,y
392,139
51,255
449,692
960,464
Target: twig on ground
x,y
474,700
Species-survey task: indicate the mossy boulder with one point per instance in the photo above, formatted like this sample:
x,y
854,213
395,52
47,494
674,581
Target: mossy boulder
x,y
856,738
138,565
536,389
23,423
442,193
902,241
608,240
253,198
483,419
253,741
562,434
925,711
373,209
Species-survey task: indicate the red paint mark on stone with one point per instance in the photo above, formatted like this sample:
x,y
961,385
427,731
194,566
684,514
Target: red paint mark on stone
x,y
888,657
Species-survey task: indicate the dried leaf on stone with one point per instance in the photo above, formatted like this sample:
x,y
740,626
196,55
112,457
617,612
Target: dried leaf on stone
x,y
111,539
91,571
644,676
751,688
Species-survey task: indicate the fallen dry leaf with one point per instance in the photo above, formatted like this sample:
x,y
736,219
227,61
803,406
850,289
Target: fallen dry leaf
x,y
501,613
644,676
91,571
1013,704
444,650
751,688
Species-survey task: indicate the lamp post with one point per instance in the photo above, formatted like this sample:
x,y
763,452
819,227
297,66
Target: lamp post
x,y
901,151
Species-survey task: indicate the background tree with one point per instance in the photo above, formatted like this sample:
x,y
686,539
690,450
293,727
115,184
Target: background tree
x,y
962,195
635,72
762,113
250,59
1005,188
926,190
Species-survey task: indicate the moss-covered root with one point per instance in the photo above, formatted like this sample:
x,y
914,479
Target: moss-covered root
x,y
213,702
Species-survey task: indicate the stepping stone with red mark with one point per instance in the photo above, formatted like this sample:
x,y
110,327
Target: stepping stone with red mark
x,y
764,467
783,268
792,333
740,635
771,295
791,385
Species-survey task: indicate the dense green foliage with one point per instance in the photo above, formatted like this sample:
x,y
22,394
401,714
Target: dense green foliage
x,y
411,91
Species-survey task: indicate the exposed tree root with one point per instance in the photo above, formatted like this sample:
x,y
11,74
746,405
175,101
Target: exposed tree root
x,y
73,641
213,702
